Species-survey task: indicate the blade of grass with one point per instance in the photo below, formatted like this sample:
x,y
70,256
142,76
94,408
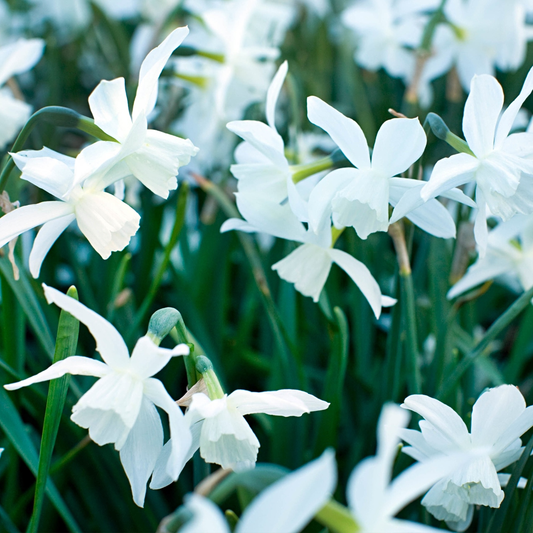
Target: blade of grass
x,y
29,302
13,426
66,343
499,325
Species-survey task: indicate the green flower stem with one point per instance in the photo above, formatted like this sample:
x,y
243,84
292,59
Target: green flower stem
x,y
407,302
205,367
499,325
441,131
58,116
180,334
337,518
66,343
300,172
176,231
281,338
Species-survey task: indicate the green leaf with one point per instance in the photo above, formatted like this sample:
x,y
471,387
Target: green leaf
x,y
66,343
13,427
29,302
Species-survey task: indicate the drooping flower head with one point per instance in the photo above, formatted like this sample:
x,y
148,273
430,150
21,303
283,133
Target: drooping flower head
x,y
120,408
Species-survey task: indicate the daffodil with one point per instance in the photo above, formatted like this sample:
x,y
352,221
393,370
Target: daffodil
x,y
499,418
120,408
360,196
107,222
509,256
153,157
285,506
309,265
500,164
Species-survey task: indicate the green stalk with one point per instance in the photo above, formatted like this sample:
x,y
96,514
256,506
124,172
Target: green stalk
x,y
499,325
176,230
66,343
58,116
337,518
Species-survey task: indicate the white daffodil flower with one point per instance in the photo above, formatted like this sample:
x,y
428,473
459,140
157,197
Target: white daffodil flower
x,y
509,256
478,37
223,435
286,506
308,266
387,31
15,58
360,196
374,499
499,418
501,165
153,157
107,222
262,167
120,408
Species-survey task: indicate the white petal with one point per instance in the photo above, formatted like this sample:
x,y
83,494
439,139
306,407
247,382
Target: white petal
x,y
48,172
109,409
323,193
399,143
417,479
147,359
81,366
290,503
25,218
262,138
363,203
109,106
449,173
482,110
180,435
44,240
361,277
484,269
13,115
151,69
18,57
307,267
285,402
155,164
344,131
508,116
141,449
273,94
97,157
442,417
434,219
237,224
270,217
109,342
107,222
206,516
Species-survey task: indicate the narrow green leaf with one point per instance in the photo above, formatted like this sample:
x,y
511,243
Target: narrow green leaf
x,y
13,427
66,343
329,422
30,304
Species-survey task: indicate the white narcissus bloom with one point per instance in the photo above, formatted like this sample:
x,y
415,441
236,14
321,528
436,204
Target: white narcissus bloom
x,y
120,408
499,418
387,32
478,37
223,435
500,164
15,58
107,222
360,196
308,266
262,167
509,255
286,506
153,157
